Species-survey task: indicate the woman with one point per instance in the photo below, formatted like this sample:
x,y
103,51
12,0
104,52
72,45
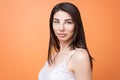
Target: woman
x,y
68,56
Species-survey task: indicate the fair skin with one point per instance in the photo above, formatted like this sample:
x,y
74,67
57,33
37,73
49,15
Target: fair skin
x,y
63,27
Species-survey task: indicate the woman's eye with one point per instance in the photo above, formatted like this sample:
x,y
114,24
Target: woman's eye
x,y
69,22
55,21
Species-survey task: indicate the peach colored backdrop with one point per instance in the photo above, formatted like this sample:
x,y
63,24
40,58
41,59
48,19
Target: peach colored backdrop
x,y
24,36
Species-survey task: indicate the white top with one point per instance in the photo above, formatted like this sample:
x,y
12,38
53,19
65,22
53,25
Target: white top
x,y
60,72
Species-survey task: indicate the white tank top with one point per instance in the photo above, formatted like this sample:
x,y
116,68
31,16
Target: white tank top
x,y
60,72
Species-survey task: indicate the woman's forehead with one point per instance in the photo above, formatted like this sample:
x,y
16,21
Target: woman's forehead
x,y
62,15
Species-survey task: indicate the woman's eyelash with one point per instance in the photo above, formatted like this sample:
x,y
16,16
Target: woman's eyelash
x,y
69,22
55,21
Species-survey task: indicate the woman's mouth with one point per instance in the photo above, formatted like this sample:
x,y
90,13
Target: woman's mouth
x,y
62,35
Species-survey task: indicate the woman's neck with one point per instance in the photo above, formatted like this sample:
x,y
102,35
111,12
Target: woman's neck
x,y
64,47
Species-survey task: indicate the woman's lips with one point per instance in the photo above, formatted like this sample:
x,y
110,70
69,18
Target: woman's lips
x,y
61,35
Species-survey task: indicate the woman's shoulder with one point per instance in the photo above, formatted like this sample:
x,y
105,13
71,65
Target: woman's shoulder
x,y
80,55
80,51
80,61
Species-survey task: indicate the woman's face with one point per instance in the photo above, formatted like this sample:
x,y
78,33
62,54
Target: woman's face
x,y
63,26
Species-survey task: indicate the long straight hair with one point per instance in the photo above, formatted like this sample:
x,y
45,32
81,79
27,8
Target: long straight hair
x,y
78,36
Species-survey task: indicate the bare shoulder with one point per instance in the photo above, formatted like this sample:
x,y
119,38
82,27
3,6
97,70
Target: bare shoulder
x,y
80,55
81,64
81,58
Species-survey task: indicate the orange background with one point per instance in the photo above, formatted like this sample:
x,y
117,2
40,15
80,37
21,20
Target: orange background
x,y
24,36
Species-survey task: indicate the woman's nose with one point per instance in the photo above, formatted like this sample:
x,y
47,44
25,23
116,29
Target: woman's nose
x,y
61,27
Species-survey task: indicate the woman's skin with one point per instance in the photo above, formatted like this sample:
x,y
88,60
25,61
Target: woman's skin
x,y
79,64
63,27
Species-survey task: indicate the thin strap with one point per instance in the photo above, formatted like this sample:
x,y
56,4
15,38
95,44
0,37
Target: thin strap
x,y
69,57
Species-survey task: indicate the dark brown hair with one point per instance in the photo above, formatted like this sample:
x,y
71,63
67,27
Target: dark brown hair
x,y
79,35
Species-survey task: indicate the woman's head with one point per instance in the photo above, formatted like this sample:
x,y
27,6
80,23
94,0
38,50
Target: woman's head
x,y
78,37
63,27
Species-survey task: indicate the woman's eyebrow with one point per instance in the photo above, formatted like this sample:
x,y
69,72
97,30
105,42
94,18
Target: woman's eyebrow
x,y
65,19
69,20
55,19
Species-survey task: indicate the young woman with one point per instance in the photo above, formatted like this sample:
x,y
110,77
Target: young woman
x,y
68,56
